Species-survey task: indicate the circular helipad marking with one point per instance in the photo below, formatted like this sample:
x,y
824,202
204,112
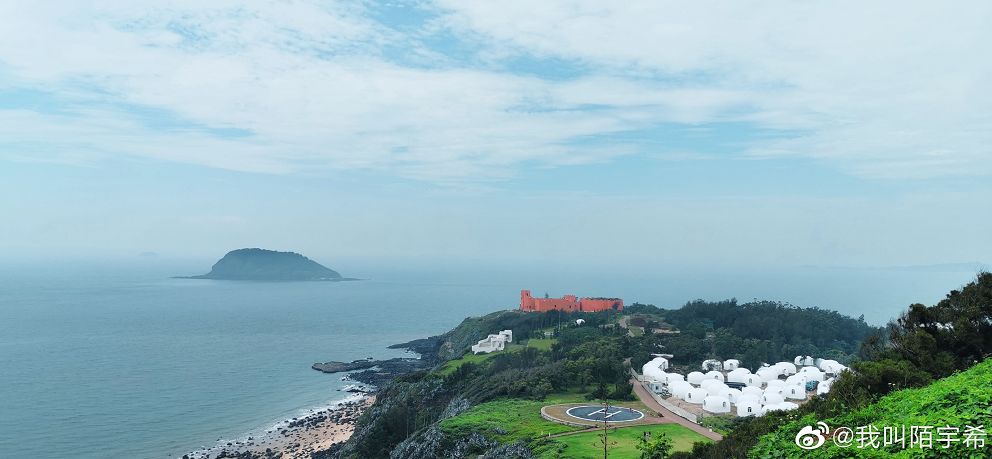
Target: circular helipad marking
x,y
599,413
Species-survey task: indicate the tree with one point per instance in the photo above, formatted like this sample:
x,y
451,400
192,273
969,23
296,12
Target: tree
x,y
658,448
604,438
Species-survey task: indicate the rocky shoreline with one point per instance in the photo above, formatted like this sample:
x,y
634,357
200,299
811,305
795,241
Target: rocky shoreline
x,y
318,432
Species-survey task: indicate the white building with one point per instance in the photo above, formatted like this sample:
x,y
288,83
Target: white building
x,y
772,398
714,375
695,395
804,361
732,394
716,404
493,343
695,377
731,364
796,392
680,388
748,407
711,364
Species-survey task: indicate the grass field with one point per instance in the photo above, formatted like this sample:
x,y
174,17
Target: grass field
x,y
452,365
587,444
509,420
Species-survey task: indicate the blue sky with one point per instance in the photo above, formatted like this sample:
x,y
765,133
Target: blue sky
x,y
780,133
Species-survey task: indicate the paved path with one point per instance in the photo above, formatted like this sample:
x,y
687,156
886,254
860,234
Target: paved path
x,y
650,402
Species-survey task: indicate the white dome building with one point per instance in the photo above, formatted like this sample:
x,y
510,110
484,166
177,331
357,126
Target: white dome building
x,y
739,375
753,390
731,364
707,383
695,377
671,378
812,374
711,364
767,374
795,379
803,361
695,395
659,362
731,394
795,392
748,407
787,406
653,373
786,368
679,388
716,388
716,404
775,383
715,375
772,398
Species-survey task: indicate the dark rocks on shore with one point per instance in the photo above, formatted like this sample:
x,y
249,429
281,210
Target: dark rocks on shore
x,y
375,372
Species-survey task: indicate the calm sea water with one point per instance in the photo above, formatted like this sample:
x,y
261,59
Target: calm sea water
x,y
118,360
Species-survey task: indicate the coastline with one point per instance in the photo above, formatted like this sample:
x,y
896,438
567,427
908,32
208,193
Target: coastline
x,y
299,437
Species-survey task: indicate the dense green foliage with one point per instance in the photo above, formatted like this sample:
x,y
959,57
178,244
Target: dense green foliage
x,y
753,333
958,401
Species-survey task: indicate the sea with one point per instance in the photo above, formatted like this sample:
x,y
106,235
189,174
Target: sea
x,y
115,358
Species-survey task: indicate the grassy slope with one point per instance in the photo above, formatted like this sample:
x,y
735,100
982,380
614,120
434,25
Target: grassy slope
x,y
452,365
587,444
519,419
964,399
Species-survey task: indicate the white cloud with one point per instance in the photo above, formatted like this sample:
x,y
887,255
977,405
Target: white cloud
x,y
893,91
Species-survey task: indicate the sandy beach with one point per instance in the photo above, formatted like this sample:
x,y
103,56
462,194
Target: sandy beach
x,y
297,437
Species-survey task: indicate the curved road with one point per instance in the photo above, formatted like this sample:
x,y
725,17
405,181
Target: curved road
x,y
650,402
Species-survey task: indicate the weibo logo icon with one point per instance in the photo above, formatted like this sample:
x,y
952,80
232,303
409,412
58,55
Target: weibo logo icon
x,y
812,438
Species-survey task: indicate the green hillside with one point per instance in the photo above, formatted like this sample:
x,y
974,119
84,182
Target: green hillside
x,y
961,400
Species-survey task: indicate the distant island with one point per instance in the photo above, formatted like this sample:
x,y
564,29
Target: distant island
x,y
268,265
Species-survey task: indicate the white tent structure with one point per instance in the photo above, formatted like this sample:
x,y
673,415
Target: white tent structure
x,y
753,390
731,394
716,388
679,388
749,407
715,375
695,395
795,392
716,404
772,398
695,377
731,364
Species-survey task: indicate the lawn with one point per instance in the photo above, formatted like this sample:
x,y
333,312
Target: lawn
x,y
587,444
452,365
543,344
509,420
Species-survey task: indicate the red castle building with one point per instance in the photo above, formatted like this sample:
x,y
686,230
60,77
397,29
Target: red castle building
x,y
568,303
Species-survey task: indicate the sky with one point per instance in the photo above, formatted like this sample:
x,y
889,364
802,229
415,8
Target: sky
x,y
832,133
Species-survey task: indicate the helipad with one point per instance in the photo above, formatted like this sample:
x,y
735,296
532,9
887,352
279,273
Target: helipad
x,y
600,413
